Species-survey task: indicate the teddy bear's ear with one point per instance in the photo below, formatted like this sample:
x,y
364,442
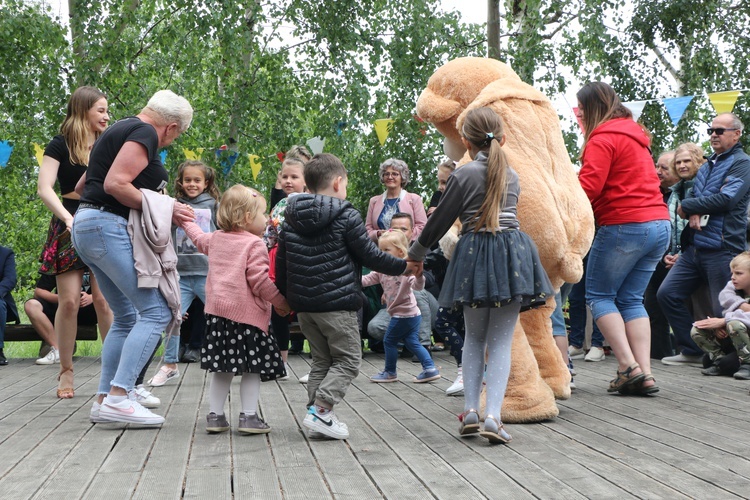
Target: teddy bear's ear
x,y
434,108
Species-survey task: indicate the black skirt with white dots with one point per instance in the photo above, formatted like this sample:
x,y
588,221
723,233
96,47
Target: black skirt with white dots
x,y
232,347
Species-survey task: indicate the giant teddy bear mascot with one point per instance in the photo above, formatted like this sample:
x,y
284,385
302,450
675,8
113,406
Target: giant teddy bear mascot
x,y
553,209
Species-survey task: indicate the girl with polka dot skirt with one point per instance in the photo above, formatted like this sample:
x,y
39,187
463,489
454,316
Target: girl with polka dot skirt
x,y
495,271
239,295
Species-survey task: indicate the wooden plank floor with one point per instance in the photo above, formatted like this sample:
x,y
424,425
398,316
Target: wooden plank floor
x,y
691,441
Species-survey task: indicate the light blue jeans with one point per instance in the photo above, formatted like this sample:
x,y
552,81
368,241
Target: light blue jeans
x,y
620,264
140,314
190,288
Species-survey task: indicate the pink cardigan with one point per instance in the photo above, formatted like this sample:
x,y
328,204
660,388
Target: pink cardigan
x,y
409,203
237,287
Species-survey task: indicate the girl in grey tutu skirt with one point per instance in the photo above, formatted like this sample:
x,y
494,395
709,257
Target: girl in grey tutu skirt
x,y
495,272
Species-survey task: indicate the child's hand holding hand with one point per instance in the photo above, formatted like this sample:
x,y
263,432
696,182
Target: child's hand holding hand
x,y
413,267
284,309
182,213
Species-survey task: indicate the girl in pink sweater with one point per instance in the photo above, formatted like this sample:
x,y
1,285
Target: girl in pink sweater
x,y
405,315
239,295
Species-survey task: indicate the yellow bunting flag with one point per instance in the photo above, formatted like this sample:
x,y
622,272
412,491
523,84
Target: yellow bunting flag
x,y
193,155
39,153
723,102
255,165
383,127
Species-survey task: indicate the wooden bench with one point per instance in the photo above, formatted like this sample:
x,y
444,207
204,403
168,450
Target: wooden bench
x,y
26,333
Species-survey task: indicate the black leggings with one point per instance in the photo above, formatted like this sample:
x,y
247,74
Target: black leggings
x,y
280,330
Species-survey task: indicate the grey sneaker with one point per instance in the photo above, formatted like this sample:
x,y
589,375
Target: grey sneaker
x,y
252,424
216,423
683,360
743,373
711,371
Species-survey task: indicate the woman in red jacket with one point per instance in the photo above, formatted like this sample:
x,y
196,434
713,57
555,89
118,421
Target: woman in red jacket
x,y
619,178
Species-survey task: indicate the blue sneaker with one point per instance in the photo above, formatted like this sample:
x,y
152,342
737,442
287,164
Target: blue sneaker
x,y
384,377
427,376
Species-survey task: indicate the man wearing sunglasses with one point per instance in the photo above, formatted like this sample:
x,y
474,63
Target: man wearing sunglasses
x,y
721,192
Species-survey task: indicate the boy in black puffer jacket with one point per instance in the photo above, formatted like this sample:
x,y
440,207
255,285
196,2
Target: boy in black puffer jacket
x,y
322,248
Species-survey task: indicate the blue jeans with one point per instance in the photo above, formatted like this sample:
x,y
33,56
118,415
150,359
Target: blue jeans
x,y
558,317
578,315
140,314
404,330
693,268
621,262
190,288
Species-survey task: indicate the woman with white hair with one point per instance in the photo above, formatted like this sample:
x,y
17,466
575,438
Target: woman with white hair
x,y
123,162
395,175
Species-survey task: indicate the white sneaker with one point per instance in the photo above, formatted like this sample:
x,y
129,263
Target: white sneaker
x,y
128,411
145,398
52,357
94,417
576,352
303,379
164,375
327,424
595,354
458,385
683,360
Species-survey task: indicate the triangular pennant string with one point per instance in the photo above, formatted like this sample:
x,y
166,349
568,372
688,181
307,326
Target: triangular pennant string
x,y
635,107
163,156
676,107
383,127
39,153
316,145
5,150
723,102
255,165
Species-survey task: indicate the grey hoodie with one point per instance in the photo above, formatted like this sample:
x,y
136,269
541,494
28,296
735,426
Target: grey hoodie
x,y
190,262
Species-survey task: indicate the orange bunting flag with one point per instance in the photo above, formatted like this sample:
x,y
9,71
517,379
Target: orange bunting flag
x,y
255,165
723,102
39,153
383,127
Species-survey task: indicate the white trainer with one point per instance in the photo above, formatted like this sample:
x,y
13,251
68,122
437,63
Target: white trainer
x,y
164,375
303,379
145,398
576,352
128,411
52,357
595,354
458,385
327,424
94,417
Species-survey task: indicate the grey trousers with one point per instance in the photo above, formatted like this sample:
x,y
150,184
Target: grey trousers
x,y
336,354
428,307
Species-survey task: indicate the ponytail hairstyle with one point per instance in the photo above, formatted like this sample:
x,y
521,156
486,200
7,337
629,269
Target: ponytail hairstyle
x,y
76,128
484,129
208,173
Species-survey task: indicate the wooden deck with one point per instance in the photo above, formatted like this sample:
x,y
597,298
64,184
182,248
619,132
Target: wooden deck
x,y
692,440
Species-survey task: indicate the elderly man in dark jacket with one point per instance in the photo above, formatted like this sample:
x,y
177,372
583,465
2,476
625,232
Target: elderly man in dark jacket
x,y
717,213
322,247
8,311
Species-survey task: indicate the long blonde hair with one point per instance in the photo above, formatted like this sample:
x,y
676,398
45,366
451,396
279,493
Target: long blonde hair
x,y
484,129
76,128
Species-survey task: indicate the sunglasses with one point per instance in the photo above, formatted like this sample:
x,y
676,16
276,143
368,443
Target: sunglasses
x,y
719,130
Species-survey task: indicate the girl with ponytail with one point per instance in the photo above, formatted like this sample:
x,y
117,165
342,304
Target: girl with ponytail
x,y
495,272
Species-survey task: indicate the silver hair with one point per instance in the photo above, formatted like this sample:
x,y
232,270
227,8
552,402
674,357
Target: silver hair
x,y
397,165
736,122
172,108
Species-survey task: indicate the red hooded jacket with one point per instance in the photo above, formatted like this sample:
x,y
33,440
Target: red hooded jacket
x,y
618,175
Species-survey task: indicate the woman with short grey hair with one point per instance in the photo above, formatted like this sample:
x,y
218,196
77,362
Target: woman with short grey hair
x,y
394,173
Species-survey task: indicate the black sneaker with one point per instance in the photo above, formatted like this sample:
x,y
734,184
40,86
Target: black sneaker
x,y
743,373
3,361
711,371
192,356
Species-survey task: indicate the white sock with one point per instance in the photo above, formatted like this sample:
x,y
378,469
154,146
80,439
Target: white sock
x,y
250,392
218,392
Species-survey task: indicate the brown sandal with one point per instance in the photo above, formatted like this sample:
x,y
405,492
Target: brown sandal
x,y
65,388
625,378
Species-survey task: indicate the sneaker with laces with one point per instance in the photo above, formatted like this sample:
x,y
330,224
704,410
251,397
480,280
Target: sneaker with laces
x,y
311,434
576,352
683,360
304,378
743,373
164,375
52,357
427,375
128,411
458,385
711,371
595,354
216,423
252,424
325,423
145,398
384,377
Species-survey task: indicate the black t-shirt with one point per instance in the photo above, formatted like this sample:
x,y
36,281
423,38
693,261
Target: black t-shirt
x,y
69,173
104,152
46,282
